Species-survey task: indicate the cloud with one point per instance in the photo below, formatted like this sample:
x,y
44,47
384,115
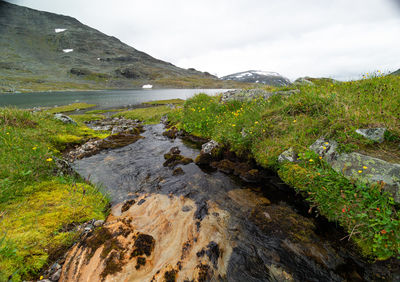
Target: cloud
x,y
337,38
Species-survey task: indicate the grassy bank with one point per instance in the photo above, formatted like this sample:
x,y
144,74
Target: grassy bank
x,y
37,204
264,129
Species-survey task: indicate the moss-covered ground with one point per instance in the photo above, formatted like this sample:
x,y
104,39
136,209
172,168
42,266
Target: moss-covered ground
x,y
70,108
263,129
149,115
37,204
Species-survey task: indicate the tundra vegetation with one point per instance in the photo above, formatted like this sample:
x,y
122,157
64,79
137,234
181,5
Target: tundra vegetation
x,y
263,128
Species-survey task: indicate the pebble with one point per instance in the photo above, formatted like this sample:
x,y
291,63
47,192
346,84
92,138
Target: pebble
x,y
98,223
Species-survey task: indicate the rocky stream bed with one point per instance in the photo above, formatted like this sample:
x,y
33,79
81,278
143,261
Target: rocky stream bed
x,y
175,220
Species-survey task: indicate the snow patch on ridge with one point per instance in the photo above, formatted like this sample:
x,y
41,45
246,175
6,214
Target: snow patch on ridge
x,y
147,86
67,50
58,30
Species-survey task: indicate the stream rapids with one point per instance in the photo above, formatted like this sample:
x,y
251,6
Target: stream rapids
x,y
194,224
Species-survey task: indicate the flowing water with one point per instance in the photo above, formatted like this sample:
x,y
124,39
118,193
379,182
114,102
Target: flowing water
x,y
244,232
105,99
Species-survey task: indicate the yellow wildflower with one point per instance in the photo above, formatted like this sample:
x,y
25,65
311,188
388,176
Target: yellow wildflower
x,y
34,148
233,125
320,157
295,121
203,109
326,143
311,160
256,122
365,167
360,171
323,147
49,160
8,133
41,277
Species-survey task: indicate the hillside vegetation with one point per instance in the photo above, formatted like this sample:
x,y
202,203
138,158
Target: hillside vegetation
x,y
42,51
263,129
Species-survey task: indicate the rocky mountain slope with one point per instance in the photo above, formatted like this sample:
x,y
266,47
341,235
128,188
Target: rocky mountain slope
x,y
256,76
396,72
41,50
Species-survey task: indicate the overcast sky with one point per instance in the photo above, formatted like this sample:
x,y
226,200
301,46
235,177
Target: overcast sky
x,y
333,38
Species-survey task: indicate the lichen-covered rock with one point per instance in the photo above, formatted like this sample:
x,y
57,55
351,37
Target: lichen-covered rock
x,y
64,119
370,170
250,94
374,134
289,155
326,149
208,147
361,167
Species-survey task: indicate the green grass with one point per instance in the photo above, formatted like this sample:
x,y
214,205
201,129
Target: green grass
x,y
264,129
103,111
70,108
35,204
165,102
150,115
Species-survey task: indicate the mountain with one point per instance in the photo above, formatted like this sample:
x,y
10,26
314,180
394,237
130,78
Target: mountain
x,y
256,76
44,51
396,72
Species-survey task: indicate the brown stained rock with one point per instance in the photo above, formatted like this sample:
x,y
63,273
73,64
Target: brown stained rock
x,y
203,273
144,245
113,264
140,261
170,276
173,158
127,205
156,240
203,159
226,166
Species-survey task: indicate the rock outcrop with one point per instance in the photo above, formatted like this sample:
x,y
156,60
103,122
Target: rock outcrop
x,y
366,169
250,94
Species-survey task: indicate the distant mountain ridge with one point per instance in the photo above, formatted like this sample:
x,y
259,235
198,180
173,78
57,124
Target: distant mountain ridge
x,y
257,76
396,72
43,49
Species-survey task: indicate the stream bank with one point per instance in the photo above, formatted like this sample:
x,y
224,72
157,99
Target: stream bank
x,y
202,225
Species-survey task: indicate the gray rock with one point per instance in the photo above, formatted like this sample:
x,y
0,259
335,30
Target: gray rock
x,y
164,119
98,223
289,155
363,168
326,149
64,119
56,276
374,134
250,94
208,147
370,170
303,81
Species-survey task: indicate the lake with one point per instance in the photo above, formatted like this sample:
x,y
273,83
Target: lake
x,y
104,99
